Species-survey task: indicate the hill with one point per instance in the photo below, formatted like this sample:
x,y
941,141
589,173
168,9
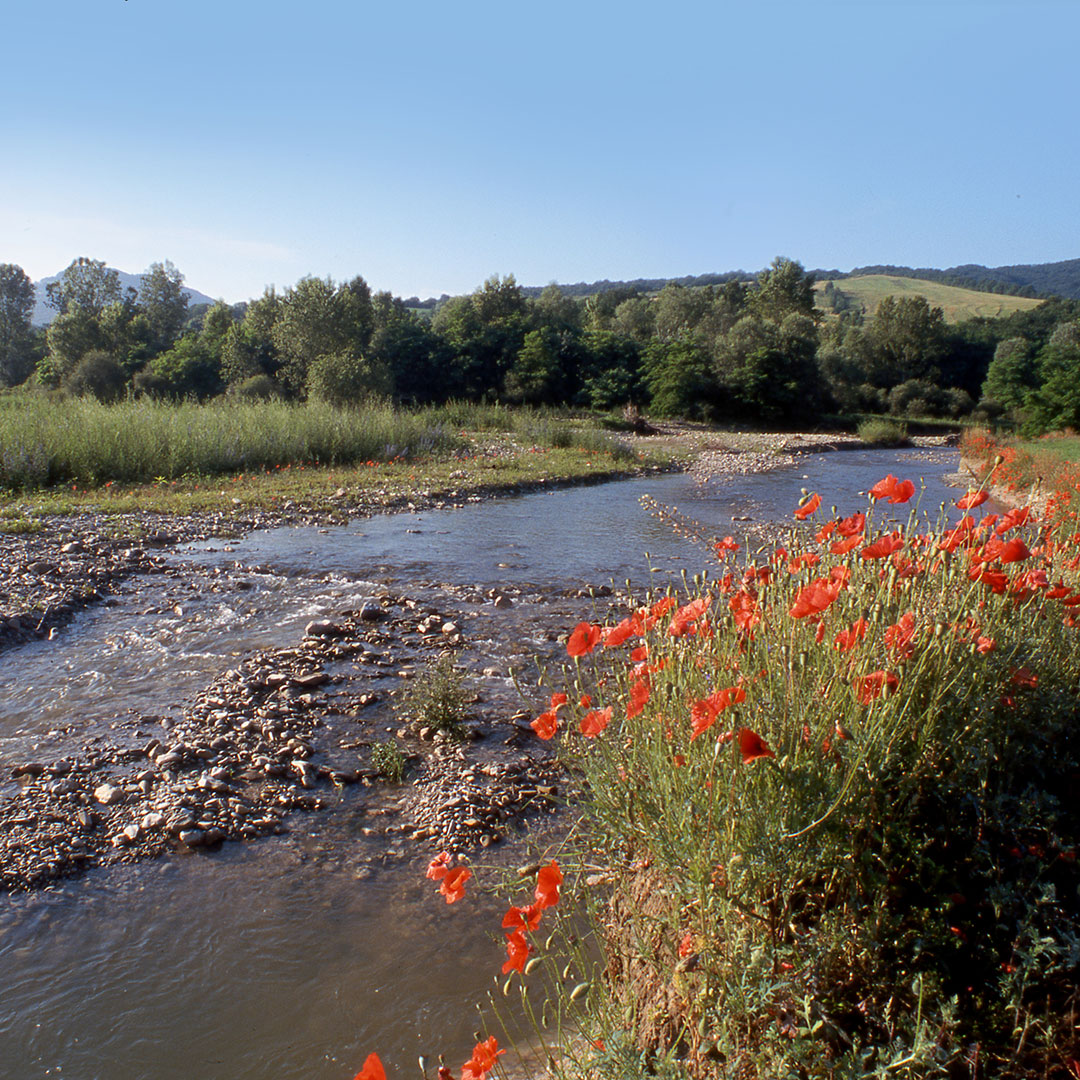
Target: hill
x,y
1028,279
43,314
867,291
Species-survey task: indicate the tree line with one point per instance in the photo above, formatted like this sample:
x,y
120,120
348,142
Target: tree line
x,y
756,350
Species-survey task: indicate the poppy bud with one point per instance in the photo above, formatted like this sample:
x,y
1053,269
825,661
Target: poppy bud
x,y
939,629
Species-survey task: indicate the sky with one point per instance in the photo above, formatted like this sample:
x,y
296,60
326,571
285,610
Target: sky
x,y
428,146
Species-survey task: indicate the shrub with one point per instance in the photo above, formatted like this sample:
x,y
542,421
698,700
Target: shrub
x,y
882,433
97,375
256,388
346,379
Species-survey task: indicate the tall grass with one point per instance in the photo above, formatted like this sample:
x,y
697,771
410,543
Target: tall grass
x,y
44,441
834,789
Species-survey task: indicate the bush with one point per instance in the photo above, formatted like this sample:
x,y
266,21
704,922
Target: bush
x,y
346,379
256,388
882,433
97,375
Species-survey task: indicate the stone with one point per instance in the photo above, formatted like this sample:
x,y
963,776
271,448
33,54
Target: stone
x,y
323,628
109,795
372,613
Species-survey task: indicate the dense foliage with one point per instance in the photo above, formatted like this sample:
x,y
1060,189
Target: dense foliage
x,y
748,348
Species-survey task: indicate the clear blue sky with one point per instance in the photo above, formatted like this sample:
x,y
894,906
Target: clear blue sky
x,y
430,145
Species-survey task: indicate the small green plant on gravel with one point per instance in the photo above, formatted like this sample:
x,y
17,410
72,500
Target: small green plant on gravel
x,y
388,761
436,697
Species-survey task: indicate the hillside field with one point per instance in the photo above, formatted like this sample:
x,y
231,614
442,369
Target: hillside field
x,y
958,304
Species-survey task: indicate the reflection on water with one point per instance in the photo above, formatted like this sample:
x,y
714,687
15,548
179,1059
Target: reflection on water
x,y
276,959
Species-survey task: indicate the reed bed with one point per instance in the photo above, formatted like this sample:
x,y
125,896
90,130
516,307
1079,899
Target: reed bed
x,y
45,442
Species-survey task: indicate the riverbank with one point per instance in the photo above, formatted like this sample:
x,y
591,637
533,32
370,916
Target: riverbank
x,y
293,729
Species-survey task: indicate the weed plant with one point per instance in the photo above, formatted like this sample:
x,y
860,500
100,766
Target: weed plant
x,y
436,697
388,761
832,790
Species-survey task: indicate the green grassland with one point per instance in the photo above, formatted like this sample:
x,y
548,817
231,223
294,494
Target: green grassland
x,y
958,304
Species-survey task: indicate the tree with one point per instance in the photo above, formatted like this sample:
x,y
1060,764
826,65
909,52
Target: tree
x,y
86,285
1012,374
16,332
164,303
318,318
1056,403
680,380
785,288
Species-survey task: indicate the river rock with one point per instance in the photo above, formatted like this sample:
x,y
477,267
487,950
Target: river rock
x,y
372,613
29,768
323,628
109,795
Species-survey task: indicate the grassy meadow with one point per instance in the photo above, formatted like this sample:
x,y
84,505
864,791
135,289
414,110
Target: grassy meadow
x,y
958,304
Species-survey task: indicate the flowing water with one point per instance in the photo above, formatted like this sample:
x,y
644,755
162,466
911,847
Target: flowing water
x,y
279,958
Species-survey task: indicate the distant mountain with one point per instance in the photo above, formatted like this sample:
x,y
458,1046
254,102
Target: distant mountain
x,y
43,314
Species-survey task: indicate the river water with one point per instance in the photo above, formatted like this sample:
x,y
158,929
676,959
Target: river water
x,y
275,958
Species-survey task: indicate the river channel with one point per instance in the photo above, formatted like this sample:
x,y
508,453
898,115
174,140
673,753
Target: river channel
x,y
284,957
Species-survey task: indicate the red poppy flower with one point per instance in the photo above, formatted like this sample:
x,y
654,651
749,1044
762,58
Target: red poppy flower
x,y
825,532
808,507
744,608
972,499
686,944
592,723
548,881
727,544
640,690
616,635
752,746
874,685
842,547
522,918
557,700
846,640
517,952
900,636
1023,677
703,713
814,598
482,1061
545,725
896,491
684,621
1013,519
583,639
372,1070
1014,550
883,546
438,866
453,884
852,526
